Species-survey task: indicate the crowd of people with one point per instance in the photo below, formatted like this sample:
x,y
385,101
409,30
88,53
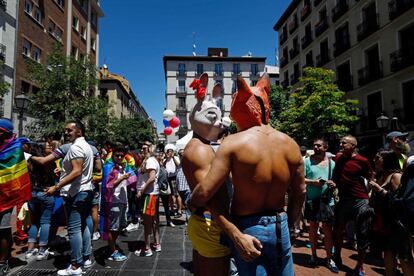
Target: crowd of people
x,y
244,197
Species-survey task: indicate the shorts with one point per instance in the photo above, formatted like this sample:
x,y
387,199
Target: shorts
x,y
173,185
314,212
5,219
96,197
150,205
205,236
117,216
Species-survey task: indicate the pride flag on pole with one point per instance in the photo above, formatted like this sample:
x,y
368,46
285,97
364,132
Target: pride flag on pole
x,y
15,185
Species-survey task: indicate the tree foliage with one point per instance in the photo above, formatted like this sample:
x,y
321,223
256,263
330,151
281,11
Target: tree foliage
x,y
131,131
66,91
317,108
4,86
278,100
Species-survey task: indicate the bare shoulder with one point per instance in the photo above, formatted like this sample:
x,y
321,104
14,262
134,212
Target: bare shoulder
x,y
291,148
197,152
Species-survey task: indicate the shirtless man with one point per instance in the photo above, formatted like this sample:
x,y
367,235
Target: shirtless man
x,y
264,164
205,228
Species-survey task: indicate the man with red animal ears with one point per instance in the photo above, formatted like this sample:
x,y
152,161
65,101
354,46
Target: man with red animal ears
x,y
264,164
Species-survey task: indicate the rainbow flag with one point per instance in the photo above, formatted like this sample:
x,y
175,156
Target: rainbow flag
x,y
15,184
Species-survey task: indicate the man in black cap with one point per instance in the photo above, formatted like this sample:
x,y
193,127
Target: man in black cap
x,y
397,141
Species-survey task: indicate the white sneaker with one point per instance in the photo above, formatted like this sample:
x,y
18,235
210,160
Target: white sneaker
x,y
96,236
132,227
70,271
31,253
87,264
42,255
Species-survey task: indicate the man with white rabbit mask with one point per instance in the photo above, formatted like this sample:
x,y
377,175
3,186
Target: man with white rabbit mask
x,y
204,227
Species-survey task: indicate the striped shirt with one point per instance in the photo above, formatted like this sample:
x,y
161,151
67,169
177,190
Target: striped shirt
x,y
182,184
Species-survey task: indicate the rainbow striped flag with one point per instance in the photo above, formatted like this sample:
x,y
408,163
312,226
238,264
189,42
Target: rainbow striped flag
x,y
15,185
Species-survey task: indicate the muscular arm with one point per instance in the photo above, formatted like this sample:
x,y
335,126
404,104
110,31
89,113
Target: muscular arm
x,y
76,172
297,189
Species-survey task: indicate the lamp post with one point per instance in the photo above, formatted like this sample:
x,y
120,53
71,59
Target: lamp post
x,y
21,102
382,123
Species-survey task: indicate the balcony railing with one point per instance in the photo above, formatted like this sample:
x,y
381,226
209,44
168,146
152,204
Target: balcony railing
x,y
321,26
306,40
367,27
323,58
369,74
293,25
294,78
398,7
2,51
316,2
181,90
401,59
345,83
340,9
181,108
283,61
3,4
306,10
181,73
293,52
218,74
254,74
307,64
198,73
341,45
235,74
283,37
285,83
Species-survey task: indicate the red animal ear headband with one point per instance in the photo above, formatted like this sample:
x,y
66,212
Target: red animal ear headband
x,y
250,107
200,85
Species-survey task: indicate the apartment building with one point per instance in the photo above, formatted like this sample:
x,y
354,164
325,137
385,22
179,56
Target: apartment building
x,y
180,71
117,91
74,24
369,45
8,15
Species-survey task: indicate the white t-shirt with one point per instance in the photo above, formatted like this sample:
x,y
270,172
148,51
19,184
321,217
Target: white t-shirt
x,y
152,189
170,166
120,192
80,149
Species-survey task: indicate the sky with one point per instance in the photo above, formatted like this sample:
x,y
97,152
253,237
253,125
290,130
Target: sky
x,y
135,35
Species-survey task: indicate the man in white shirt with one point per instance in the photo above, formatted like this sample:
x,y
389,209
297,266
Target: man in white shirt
x,y
75,186
171,164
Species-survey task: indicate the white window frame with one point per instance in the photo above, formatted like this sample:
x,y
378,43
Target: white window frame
x,y
83,32
36,54
61,3
26,49
38,16
28,6
75,23
93,43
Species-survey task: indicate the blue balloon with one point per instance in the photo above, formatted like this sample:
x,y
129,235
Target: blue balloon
x,y
166,122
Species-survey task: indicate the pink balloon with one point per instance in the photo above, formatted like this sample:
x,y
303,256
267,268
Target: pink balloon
x,y
168,131
174,122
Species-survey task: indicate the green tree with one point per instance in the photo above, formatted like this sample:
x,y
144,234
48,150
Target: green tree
x,y
66,91
318,107
4,86
131,131
278,101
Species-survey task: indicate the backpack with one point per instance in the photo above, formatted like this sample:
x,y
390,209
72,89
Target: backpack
x,y
402,201
163,182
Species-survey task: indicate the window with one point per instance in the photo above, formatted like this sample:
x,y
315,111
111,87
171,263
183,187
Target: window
x,y
26,48
25,87
36,54
94,18
74,52
181,67
93,44
83,32
61,3
51,27
200,69
408,101
28,6
218,69
254,69
236,68
234,87
374,109
75,23
183,120
35,89
38,16
181,102
181,85
253,83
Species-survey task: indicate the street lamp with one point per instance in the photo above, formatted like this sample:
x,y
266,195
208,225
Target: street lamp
x,y
382,123
21,102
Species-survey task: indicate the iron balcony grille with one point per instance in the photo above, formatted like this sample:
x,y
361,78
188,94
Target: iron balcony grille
x,y
181,73
181,90
293,52
283,37
316,2
2,51
293,25
367,27
323,58
3,4
402,58
294,78
369,74
341,45
306,40
340,9
306,10
398,7
345,83
285,83
321,26
283,61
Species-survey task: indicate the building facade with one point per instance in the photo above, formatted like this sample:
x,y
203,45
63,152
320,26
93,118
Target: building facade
x,y
368,44
8,23
180,71
74,24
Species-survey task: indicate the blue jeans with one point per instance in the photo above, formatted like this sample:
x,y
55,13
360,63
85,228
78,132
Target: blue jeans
x,y
41,208
274,259
78,213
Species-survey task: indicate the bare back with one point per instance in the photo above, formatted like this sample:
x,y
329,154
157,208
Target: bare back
x,y
264,164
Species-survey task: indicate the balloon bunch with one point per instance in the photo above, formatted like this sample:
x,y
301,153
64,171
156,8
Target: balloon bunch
x,y
170,121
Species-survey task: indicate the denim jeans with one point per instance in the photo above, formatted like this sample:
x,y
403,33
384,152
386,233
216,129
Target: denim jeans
x,y
271,261
41,208
78,212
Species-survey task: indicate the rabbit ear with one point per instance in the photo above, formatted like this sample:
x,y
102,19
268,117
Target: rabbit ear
x,y
204,80
216,91
243,90
264,83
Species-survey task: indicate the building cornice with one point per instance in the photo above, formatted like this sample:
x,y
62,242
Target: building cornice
x,y
286,14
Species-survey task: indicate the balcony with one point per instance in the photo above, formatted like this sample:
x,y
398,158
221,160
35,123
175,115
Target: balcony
x,y
341,45
294,78
218,74
306,40
401,59
323,59
306,10
398,7
2,51
307,64
181,73
181,90
181,108
293,25
235,74
367,27
345,83
369,74
3,5
293,52
340,9
316,2
285,84
255,75
321,26
283,37
198,73
283,61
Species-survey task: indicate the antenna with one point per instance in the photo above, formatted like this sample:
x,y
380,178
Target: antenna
x,y
276,56
194,44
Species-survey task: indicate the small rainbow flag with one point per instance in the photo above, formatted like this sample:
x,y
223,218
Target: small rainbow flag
x,y
15,185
